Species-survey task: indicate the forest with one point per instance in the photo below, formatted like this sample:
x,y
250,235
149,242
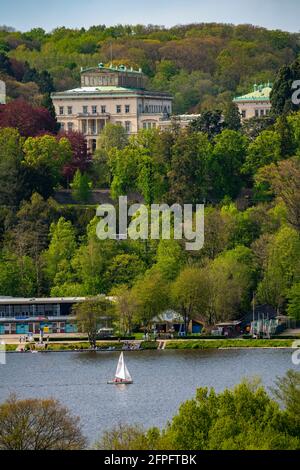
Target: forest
x,y
201,65
248,175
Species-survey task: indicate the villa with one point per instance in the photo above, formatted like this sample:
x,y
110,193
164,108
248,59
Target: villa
x,y
114,95
255,104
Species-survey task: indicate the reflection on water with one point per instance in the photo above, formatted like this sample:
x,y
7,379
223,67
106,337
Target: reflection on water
x,y
162,380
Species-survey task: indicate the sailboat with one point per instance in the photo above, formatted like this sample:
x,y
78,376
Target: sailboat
x,y
122,375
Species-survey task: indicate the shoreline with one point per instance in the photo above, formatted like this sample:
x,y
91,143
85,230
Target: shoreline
x,y
202,344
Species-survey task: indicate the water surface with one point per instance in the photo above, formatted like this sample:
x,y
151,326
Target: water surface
x,y
162,380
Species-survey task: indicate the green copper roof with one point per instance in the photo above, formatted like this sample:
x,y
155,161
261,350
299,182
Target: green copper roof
x,y
259,93
111,68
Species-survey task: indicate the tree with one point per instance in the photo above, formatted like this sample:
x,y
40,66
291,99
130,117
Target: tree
x,y
282,269
128,437
17,275
252,127
189,178
47,103
61,247
90,314
243,418
190,294
81,187
284,181
210,122
170,258
29,234
232,117
81,158
151,296
112,136
45,158
124,268
293,308
264,150
287,392
228,280
239,419
281,94
226,162
11,172
5,65
126,307
38,424
30,121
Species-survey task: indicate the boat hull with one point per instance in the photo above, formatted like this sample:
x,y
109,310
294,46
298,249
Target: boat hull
x,y
124,382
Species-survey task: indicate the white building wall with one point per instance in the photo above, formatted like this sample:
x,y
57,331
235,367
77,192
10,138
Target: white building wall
x,y
2,92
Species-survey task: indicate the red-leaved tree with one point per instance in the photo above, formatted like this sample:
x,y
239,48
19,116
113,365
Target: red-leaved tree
x,y
81,158
29,120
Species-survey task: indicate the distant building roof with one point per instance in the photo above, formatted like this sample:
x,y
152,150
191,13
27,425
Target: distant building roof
x,y
259,93
112,68
40,300
168,316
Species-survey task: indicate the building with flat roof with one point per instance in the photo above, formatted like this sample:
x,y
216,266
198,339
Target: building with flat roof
x,y
2,92
255,104
110,94
30,315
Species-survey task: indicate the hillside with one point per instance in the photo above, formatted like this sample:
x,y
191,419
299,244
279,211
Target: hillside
x,y
202,65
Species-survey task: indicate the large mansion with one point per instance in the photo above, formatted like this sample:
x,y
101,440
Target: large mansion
x,y
255,104
110,94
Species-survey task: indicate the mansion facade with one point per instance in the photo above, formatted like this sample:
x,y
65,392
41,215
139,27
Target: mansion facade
x,y
110,94
255,104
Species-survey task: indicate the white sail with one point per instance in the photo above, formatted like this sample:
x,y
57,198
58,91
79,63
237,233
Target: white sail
x,y
122,371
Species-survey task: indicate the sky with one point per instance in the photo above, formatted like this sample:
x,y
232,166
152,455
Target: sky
x,y
26,14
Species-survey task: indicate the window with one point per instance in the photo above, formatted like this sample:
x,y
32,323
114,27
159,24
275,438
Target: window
x,y
84,109
257,113
70,126
118,108
140,108
70,111
262,112
61,110
103,109
127,126
127,108
94,109
244,113
144,125
62,126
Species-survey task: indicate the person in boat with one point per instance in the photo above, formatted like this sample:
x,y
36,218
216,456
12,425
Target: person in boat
x,y
117,380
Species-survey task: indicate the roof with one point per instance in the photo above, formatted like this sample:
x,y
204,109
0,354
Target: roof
x,y
107,90
111,68
40,300
168,316
259,93
229,323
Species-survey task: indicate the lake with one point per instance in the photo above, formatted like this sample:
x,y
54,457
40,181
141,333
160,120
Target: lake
x,y
162,380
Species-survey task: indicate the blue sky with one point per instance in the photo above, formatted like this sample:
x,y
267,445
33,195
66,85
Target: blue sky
x,y
27,14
